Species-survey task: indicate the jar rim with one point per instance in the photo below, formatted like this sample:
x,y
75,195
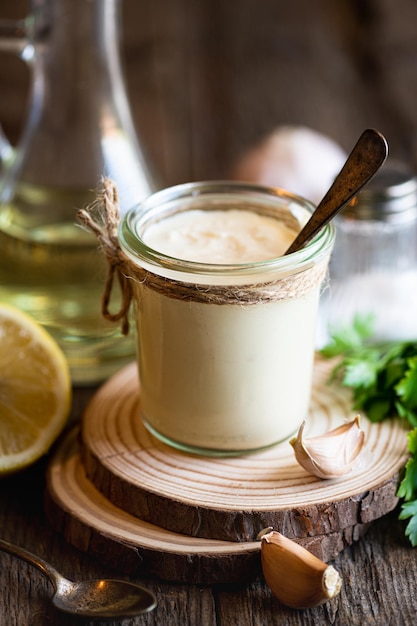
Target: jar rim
x,y
167,199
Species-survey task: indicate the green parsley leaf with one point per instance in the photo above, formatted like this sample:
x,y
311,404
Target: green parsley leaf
x,y
406,388
408,485
409,510
360,373
383,379
412,443
408,414
349,338
376,408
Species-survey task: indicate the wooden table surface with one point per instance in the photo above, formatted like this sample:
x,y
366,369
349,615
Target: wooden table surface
x,y
208,79
379,573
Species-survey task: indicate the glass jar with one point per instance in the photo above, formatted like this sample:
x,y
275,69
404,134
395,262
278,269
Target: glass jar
x,y
373,270
225,352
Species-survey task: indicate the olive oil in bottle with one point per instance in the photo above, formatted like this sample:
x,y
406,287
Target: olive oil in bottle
x,y
78,130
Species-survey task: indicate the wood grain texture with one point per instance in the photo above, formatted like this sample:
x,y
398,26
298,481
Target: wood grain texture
x,y
232,499
93,524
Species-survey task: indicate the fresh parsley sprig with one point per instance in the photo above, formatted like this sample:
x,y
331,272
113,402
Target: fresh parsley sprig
x,y
383,379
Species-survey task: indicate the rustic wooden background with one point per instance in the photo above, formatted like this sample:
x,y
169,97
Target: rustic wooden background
x,y
208,79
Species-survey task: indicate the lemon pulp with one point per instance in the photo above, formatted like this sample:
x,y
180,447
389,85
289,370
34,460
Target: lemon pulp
x,y
35,390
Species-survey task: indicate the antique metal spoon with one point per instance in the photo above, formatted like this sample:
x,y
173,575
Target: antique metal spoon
x,y
366,158
93,599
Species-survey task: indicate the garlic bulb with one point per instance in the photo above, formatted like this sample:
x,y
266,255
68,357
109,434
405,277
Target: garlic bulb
x,y
332,454
295,576
297,158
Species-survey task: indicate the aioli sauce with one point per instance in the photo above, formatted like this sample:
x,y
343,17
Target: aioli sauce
x,y
219,376
223,237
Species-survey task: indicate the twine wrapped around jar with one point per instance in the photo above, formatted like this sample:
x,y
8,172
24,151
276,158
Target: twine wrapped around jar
x,y
105,228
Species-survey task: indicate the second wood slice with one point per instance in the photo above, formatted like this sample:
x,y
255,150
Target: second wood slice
x,y
91,523
232,499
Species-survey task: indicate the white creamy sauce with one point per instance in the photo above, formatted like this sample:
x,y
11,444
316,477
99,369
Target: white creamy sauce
x,y
223,376
220,237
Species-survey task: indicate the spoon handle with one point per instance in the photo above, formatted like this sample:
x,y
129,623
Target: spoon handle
x,y
366,158
32,559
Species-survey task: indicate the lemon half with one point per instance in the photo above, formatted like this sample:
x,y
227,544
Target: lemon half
x,y
35,390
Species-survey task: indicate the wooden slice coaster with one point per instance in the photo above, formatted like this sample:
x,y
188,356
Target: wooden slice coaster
x,y
93,524
231,499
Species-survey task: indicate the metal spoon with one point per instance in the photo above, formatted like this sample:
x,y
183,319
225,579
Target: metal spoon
x,y
366,158
93,599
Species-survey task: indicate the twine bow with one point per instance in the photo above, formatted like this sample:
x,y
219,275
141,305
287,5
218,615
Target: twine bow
x,y
106,233
289,286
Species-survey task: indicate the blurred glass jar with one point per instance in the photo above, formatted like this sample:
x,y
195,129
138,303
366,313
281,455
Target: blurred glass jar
x,y
373,269
78,129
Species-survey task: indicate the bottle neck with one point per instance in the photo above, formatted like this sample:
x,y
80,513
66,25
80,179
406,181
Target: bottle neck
x,y
79,126
77,41
78,101
77,65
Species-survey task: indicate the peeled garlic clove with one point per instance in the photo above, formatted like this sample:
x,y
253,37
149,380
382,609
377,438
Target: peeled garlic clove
x,y
295,576
332,454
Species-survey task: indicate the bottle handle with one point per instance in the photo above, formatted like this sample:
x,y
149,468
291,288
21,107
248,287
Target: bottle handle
x,y
15,39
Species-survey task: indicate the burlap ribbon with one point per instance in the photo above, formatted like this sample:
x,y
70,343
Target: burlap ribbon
x,y
120,265
105,229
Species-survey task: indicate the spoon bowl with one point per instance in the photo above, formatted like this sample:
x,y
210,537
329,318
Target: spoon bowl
x,y
105,598
92,599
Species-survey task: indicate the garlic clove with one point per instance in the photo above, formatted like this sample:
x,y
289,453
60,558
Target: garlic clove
x,y
330,455
295,576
